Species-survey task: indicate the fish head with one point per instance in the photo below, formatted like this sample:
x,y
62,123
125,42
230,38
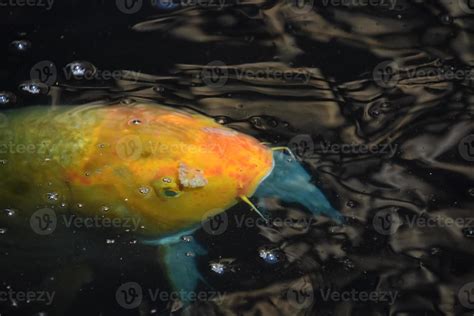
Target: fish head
x,y
171,168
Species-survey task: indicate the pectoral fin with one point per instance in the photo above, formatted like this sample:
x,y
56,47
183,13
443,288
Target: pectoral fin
x,y
178,254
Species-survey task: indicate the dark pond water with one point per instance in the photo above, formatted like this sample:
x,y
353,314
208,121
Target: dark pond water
x,y
375,98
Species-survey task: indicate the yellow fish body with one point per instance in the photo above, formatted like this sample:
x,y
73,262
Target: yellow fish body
x,y
164,167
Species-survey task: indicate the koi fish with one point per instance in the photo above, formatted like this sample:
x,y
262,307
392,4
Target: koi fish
x,y
164,167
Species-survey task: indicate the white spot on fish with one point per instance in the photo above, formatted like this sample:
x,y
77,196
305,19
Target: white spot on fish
x,y
191,177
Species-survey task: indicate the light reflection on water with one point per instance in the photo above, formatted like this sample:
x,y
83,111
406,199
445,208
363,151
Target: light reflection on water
x,y
375,100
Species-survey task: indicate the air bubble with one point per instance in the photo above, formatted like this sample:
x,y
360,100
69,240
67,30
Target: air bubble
x,y
263,123
446,19
190,254
222,120
10,211
127,101
217,267
144,190
104,209
135,122
3,231
271,256
159,89
351,204
20,46
7,98
81,69
187,238
110,241
52,196
165,4
33,87
468,232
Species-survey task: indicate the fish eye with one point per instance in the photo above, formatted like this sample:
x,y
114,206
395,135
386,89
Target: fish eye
x,y
166,187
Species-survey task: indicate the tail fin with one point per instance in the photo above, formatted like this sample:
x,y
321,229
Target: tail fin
x,y
289,182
